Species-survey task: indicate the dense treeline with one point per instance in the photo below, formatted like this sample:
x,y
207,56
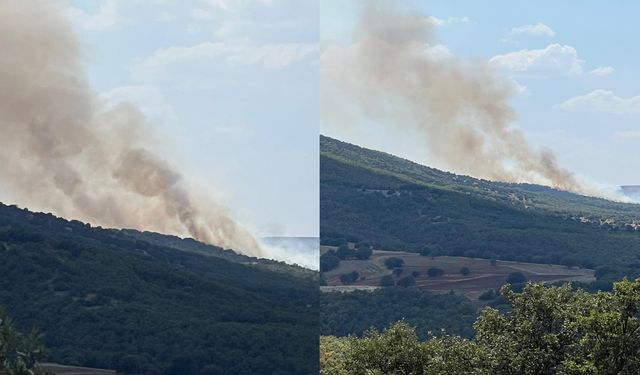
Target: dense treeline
x,y
359,204
105,299
342,314
548,330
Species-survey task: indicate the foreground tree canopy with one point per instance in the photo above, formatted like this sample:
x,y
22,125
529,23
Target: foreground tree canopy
x,y
548,330
19,354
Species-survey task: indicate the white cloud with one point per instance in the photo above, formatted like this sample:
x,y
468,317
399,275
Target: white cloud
x,y
224,5
554,58
627,135
105,17
602,71
602,101
539,29
201,14
270,56
445,21
234,5
518,88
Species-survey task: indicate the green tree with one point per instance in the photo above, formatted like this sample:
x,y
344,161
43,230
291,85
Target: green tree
x,y
364,252
212,370
548,330
181,366
19,354
349,278
435,272
328,262
534,337
345,252
609,341
516,278
393,262
387,281
406,281
129,364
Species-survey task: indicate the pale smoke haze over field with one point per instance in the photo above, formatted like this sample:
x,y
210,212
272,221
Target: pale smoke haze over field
x,y
65,151
297,250
394,74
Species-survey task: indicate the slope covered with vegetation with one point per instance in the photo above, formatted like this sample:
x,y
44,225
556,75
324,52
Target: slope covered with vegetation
x,y
356,312
548,330
107,298
394,204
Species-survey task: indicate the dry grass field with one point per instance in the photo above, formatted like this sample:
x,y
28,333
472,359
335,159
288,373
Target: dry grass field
x,y
483,275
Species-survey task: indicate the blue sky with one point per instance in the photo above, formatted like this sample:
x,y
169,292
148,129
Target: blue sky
x,y
575,64
231,89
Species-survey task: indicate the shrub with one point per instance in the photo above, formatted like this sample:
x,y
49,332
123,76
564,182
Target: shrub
x,y
407,281
393,262
488,295
328,262
516,278
387,281
349,278
435,272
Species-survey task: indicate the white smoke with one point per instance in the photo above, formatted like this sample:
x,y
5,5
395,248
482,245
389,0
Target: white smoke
x,y
394,73
62,149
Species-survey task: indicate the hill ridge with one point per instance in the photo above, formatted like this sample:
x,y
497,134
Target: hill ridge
x,y
395,204
101,296
612,212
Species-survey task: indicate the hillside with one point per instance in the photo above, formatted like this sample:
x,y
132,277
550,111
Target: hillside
x,y
394,204
193,246
542,198
344,314
103,297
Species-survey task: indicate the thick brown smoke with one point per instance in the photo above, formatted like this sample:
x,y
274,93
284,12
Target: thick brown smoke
x,y
63,150
392,73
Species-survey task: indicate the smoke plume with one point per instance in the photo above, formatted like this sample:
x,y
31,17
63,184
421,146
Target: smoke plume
x,y
63,150
394,74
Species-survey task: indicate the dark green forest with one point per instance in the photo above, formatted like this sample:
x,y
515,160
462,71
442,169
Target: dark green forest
x,y
394,204
111,299
356,312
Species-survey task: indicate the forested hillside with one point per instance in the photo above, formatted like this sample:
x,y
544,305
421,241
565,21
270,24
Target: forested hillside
x,y
111,299
343,314
393,204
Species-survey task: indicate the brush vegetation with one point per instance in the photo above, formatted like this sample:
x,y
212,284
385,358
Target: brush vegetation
x,y
19,353
356,312
548,330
